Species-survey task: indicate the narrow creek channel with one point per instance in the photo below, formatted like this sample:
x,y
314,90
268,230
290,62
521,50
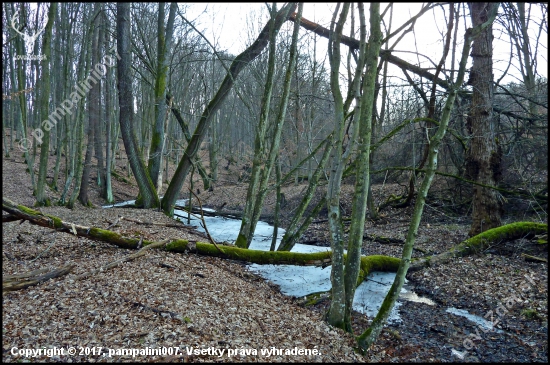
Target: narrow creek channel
x,y
298,281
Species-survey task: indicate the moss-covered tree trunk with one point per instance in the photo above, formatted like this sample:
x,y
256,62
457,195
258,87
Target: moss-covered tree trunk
x,y
164,44
264,171
93,116
83,68
368,263
238,64
359,202
481,242
335,315
259,160
185,129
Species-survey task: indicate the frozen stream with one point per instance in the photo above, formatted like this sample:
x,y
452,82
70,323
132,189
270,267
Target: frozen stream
x,y
299,281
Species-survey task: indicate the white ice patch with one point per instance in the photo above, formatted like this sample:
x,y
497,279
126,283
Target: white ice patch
x,y
472,317
129,202
371,293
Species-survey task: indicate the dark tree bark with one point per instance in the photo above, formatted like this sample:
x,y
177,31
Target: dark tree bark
x,y
148,195
46,124
93,120
483,161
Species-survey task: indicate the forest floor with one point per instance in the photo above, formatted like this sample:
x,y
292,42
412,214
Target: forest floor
x,y
187,302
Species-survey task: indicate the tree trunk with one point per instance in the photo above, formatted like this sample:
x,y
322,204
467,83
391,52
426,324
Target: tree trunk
x,y
359,203
264,159
481,242
93,118
187,135
335,315
109,155
163,51
292,233
148,195
368,263
367,338
45,123
82,69
483,161
26,142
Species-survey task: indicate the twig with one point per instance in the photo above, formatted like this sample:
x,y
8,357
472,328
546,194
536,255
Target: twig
x,y
12,282
41,253
204,223
533,258
115,222
173,315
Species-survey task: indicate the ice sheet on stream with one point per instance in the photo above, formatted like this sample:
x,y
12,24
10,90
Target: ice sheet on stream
x,y
299,281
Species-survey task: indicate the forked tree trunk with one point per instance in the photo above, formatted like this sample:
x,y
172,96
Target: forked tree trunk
x,y
265,157
163,51
362,183
148,195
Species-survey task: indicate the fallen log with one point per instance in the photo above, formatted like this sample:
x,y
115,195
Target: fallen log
x,y
323,259
480,242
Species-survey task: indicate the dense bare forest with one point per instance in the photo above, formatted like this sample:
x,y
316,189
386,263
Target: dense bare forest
x,y
365,145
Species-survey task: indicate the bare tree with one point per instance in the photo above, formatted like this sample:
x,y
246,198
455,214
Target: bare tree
x,y
148,195
238,64
46,124
483,161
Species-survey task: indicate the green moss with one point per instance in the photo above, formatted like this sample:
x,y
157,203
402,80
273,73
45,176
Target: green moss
x,y
57,222
530,313
377,263
116,238
507,232
177,245
241,241
28,210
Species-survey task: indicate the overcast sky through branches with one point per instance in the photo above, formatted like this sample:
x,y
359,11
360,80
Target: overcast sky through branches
x,y
228,25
